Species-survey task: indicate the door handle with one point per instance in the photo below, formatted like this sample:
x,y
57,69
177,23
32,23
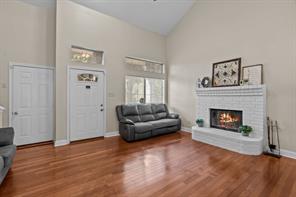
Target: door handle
x,y
15,113
102,107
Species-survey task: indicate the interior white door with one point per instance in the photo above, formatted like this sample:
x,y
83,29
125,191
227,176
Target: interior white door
x,y
32,105
86,104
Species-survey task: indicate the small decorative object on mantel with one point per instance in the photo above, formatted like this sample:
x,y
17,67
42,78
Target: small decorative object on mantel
x,y
198,83
200,122
206,82
227,73
253,74
244,82
245,130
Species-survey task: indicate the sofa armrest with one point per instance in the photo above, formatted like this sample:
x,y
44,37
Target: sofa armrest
x,y
126,121
6,136
127,131
173,116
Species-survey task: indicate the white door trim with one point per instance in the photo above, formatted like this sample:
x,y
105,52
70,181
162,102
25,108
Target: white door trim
x,y
72,67
11,66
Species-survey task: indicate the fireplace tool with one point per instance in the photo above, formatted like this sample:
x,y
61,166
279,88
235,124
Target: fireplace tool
x,y
268,131
278,138
273,151
272,146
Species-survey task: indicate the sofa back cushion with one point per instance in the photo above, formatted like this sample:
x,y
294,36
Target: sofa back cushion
x,y
146,113
142,112
131,112
160,111
1,163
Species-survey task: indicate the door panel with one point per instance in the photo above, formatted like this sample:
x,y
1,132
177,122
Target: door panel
x,y
32,105
86,102
25,126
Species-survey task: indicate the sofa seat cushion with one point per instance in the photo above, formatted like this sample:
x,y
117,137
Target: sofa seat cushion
x,y
1,163
164,123
8,153
141,127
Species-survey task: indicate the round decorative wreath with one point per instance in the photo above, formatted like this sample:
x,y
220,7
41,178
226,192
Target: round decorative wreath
x,y
206,82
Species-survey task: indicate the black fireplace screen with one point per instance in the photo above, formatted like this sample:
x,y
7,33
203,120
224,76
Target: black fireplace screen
x,y
226,119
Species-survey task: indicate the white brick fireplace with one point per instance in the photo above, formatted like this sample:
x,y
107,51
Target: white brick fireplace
x,y
251,100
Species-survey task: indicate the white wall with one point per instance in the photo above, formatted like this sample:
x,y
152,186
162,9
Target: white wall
x,y
259,32
78,25
27,36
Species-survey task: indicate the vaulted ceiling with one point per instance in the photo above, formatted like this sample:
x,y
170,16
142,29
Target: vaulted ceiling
x,y
153,15
157,16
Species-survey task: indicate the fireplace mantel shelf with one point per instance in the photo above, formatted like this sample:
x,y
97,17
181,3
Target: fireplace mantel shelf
x,y
232,91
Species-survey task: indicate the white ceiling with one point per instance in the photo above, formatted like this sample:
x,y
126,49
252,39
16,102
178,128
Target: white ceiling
x,y
157,16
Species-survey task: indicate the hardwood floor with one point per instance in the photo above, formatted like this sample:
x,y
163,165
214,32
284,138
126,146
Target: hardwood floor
x,y
169,165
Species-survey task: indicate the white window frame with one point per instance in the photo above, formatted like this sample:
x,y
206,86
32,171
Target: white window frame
x,y
144,77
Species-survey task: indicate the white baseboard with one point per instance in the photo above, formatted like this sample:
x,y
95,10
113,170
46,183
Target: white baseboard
x,y
186,129
60,143
112,133
66,142
288,153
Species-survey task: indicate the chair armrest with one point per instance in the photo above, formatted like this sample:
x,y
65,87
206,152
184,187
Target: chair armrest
x,y
173,116
126,121
6,136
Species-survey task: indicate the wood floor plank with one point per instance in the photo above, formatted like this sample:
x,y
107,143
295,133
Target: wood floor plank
x,y
169,165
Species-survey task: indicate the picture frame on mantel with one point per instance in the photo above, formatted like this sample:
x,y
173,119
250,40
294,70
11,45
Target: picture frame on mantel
x,y
253,74
226,73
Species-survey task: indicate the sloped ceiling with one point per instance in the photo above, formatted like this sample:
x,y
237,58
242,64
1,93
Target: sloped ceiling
x,y
158,16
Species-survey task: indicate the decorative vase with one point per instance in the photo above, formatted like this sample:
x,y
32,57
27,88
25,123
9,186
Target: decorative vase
x,y
245,134
200,124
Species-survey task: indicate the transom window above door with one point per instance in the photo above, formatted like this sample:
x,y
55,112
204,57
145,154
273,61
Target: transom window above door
x,y
144,90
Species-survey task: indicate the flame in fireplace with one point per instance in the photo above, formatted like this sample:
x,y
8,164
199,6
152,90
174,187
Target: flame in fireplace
x,y
228,118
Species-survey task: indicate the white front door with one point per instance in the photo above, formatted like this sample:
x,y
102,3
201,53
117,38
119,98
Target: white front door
x,y
86,104
32,104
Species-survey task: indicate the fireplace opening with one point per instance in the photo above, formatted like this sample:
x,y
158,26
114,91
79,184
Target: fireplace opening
x,y
229,120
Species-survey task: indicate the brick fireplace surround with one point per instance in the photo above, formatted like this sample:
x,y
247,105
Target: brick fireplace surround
x,y
249,99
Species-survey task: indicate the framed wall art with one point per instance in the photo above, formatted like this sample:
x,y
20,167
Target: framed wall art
x,y
226,73
253,75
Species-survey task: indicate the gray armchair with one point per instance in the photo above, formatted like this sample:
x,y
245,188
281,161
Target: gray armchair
x,y
7,151
146,120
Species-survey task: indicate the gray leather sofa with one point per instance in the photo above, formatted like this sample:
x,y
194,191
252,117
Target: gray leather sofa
x,y
7,151
143,121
